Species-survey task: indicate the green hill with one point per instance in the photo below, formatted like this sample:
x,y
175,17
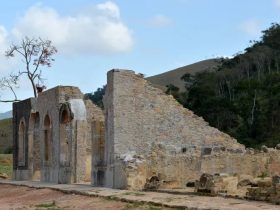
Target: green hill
x,y
174,76
6,135
242,98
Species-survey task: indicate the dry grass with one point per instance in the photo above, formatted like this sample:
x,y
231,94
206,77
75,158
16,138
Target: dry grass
x,y
174,76
6,164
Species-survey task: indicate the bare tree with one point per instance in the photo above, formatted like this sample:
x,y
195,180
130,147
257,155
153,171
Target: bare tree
x,y
10,82
34,53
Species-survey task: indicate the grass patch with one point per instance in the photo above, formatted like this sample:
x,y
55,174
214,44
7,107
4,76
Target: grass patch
x,y
47,206
154,208
6,164
130,206
139,206
134,193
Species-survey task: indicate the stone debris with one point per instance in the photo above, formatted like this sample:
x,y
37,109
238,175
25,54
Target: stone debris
x,y
217,184
264,148
4,176
246,180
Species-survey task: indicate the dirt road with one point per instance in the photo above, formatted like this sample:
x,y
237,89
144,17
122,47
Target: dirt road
x,y
19,197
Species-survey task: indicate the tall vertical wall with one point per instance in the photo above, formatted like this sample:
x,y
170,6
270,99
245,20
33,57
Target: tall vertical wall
x,y
143,120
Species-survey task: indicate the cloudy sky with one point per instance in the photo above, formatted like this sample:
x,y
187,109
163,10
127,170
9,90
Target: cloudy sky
x,y
148,36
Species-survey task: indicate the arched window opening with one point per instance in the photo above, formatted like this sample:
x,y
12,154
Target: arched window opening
x,y
65,135
21,143
47,139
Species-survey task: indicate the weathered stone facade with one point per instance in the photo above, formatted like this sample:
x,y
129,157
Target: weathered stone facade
x,y
53,135
145,139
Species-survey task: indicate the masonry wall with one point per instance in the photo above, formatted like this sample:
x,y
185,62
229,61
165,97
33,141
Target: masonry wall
x,y
58,135
149,134
48,107
50,103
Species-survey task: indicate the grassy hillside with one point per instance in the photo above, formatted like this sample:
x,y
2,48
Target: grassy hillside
x,y
174,76
6,135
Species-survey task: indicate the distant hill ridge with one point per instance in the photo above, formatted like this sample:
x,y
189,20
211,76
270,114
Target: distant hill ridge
x,y
6,115
174,76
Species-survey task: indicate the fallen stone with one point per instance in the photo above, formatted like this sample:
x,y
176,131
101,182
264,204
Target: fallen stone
x,y
250,151
245,180
152,184
275,180
265,182
264,149
4,176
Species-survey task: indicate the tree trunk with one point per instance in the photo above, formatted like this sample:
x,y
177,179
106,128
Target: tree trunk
x,y
253,108
33,86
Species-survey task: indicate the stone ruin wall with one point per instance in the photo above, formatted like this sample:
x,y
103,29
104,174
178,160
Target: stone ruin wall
x,y
76,135
149,134
145,134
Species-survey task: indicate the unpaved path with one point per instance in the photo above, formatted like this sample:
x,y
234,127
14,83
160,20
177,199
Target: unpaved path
x,y
20,197
38,195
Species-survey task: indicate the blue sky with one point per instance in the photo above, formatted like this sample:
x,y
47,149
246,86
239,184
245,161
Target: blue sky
x,y
148,36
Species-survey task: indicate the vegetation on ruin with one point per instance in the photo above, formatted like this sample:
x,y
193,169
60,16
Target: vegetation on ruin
x,y
242,97
97,96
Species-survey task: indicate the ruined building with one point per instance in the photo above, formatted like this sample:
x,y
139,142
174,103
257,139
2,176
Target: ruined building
x,y
53,136
144,137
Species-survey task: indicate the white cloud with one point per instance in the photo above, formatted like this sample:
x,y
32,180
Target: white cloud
x,y
277,3
160,21
99,30
5,64
109,8
250,27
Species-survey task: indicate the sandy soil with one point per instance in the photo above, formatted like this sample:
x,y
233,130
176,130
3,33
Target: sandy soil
x,y
19,197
